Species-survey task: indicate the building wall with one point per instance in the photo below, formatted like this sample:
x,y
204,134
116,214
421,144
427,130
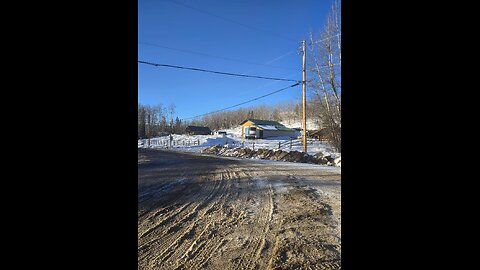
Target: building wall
x,y
246,124
275,133
198,132
266,133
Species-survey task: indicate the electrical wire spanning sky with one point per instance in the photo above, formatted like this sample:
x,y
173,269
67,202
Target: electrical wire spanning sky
x,y
258,38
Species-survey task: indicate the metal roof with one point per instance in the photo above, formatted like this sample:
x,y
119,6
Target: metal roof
x,y
197,128
268,124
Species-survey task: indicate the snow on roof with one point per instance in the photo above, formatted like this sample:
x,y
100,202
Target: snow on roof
x,y
267,127
262,122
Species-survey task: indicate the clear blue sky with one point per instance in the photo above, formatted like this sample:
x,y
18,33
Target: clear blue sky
x,y
165,23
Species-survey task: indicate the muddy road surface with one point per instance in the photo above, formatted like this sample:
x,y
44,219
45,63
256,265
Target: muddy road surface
x,y
205,212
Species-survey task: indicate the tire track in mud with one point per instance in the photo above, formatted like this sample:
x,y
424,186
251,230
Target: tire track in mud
x,y
201,244
253,246
169,223
210,206
264,245
227,218
208,245
309,229
170,218
240,216
177,228
247,245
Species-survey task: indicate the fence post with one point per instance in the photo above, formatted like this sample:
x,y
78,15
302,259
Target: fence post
x,y
198,141
278,145
290,144
243,144
253,146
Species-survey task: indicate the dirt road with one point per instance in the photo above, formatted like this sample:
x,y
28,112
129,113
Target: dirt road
x,y
197,211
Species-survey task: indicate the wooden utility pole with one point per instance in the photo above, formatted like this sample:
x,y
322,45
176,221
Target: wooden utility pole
x,y
149,128
304,95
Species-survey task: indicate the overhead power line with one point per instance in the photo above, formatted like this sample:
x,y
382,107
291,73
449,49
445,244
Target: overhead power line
x,y
318,41
214,56
232,21
245,102
217,72
280,57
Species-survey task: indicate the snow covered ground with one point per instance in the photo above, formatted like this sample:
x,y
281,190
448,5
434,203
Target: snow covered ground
x,y
298,124
196,143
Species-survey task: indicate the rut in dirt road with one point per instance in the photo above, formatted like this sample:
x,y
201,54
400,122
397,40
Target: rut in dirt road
x,y
198,211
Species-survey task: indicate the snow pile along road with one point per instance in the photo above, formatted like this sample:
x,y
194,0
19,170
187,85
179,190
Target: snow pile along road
x,y
275,154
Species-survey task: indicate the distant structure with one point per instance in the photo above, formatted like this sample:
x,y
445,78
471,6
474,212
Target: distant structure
x,y
197,130
257,129
321,135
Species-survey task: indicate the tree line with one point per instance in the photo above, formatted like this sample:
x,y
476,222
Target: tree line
x,y
158,120
161,120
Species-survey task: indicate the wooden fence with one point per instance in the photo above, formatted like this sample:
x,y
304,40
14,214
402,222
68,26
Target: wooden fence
x,y
167,144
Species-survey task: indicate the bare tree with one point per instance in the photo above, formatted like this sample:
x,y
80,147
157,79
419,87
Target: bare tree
x,y
324,68
171,113
155,120
141,122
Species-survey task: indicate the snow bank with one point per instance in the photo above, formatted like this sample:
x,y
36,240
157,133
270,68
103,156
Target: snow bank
x,y
271,154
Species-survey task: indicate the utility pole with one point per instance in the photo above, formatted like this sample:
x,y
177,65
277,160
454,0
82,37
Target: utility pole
x,y
304,95
149,128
